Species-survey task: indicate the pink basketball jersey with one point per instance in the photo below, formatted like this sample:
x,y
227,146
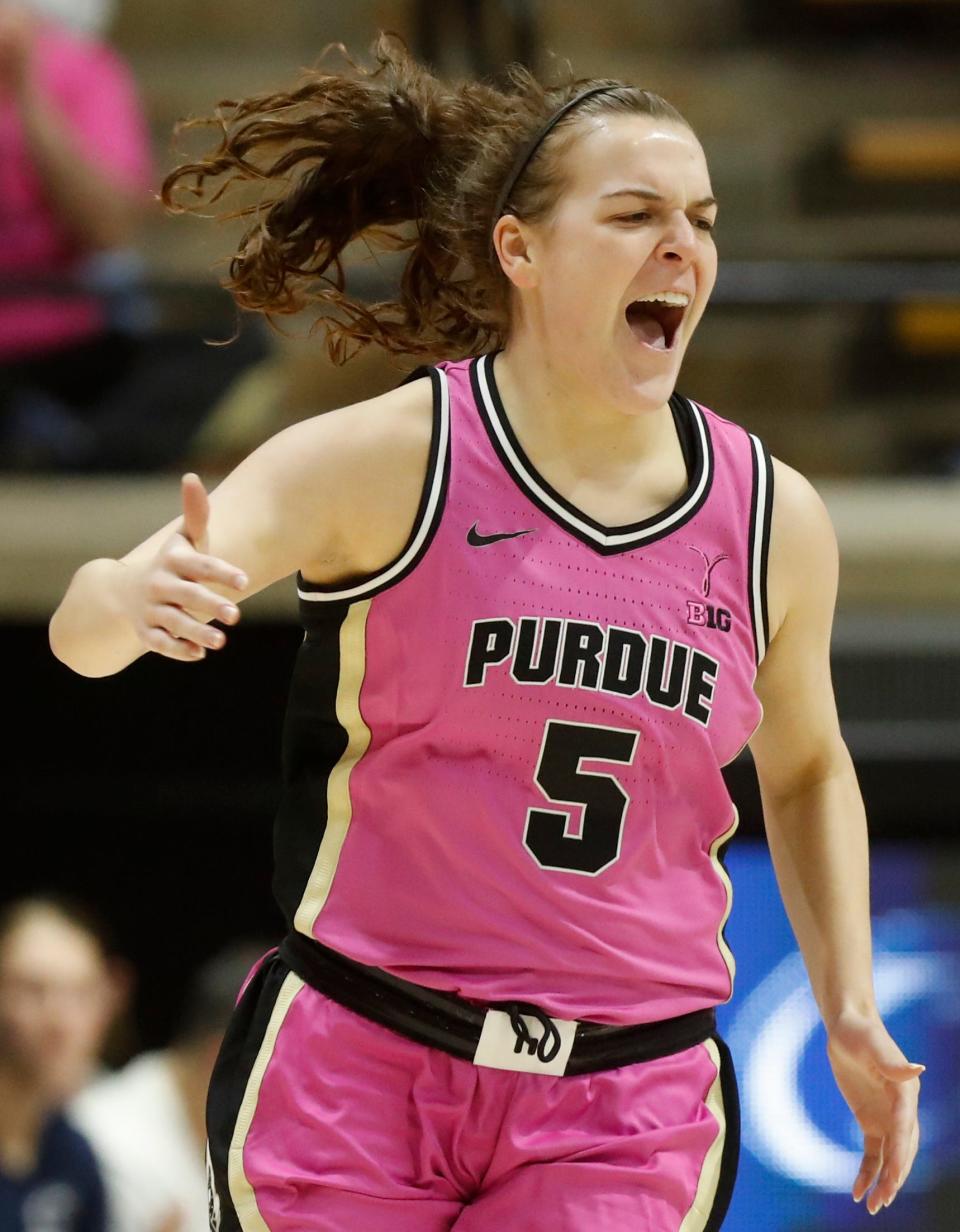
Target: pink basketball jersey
x,y
503,751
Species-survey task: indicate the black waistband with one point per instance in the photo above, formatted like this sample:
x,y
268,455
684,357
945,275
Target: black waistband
x,y
446,1021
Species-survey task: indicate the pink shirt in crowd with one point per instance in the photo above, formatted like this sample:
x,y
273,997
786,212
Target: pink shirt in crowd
x,y
96,94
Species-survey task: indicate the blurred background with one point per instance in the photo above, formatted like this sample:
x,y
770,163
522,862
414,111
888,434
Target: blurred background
x,y
832,128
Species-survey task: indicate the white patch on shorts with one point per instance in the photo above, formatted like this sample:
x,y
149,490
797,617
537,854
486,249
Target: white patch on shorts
x,y
498,1042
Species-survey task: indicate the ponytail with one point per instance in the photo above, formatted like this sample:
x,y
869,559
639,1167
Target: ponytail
x,y
397,159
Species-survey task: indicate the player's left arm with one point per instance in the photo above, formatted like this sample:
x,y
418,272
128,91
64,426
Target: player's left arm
x,y
817,833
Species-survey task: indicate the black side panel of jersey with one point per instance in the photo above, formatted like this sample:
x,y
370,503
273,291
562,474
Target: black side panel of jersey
x,y
730,1156
238,1055
313,743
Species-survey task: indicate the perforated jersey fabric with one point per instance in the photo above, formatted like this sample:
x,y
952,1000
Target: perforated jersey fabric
x,y
503,751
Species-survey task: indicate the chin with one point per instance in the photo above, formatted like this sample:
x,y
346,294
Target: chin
x,y
649,391
651,377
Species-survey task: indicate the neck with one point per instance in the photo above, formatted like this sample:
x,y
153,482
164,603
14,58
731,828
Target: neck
x,y
561,416
22,1113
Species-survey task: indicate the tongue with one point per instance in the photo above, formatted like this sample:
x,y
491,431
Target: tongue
x,y
648,329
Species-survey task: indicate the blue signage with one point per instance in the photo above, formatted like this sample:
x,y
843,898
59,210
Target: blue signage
x,y
801,1146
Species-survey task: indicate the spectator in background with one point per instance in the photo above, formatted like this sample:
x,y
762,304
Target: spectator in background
x,y
146,1122
75,182
86,381
56,1000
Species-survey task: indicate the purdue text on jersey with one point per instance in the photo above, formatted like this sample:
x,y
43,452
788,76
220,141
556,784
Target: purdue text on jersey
x,y
580,654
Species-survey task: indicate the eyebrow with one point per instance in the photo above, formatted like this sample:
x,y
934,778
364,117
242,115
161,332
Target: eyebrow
x,y
649,195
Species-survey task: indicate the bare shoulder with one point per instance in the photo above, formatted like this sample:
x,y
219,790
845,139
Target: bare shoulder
x,y
357,474
803,560
399,418
797,502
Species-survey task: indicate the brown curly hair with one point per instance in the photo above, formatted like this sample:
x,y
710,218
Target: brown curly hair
x,y
402,161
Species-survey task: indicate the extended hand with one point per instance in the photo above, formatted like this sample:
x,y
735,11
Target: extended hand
x,y
882,1089
165,597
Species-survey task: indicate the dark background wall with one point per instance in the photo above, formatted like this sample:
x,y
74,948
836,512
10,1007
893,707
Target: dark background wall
x,y
151,795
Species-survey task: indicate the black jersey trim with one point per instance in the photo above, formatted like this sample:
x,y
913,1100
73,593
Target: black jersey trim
x,y
242,1044
730,1153
432,500
608,540
316,738
761,511
687,433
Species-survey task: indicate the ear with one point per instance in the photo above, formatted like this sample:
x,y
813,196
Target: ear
x,y
511,242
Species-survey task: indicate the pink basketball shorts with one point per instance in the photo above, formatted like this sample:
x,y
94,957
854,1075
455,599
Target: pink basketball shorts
x,y
320,1121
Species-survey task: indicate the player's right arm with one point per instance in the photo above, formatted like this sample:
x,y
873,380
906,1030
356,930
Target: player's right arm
x,y
334,496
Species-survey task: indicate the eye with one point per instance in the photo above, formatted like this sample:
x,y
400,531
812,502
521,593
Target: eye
x,y
642,215
704,224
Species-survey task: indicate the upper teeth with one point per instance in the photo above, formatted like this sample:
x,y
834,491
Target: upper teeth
x,y
679,299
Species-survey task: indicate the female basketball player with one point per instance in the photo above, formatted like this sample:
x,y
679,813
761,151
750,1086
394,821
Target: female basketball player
x,y
546,599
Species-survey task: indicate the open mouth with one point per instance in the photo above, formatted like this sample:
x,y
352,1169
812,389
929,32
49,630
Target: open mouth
x,y
655,325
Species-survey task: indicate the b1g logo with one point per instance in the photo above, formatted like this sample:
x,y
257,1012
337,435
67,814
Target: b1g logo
x,y
708,615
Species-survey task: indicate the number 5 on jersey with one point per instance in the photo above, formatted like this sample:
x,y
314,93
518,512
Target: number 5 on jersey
x,y
547,833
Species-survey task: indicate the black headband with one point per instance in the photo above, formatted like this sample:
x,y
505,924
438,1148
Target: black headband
x,y
533,145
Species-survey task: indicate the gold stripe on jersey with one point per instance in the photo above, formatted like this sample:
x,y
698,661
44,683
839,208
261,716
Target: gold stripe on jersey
x,y
698,1215
339,804
241,1191
725,952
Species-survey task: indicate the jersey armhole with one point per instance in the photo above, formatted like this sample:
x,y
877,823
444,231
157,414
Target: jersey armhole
x,y
424,525
761,509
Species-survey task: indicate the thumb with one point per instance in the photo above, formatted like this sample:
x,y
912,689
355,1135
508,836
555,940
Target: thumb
x,y
196,508
900,1071
890,1061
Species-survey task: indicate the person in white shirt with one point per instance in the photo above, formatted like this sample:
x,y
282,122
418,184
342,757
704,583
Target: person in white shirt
x,y
146,1121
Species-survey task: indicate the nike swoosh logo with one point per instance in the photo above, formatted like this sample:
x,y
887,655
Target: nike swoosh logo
x,y
476,540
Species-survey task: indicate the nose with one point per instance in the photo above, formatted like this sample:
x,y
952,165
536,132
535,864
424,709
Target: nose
x,y
679,240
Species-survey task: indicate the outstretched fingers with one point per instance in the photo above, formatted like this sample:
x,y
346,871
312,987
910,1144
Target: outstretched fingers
x,y
869,1167
194,566
888,1158
177,609
197,599
881,1088
183,626
163,643
173,600
899,1147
